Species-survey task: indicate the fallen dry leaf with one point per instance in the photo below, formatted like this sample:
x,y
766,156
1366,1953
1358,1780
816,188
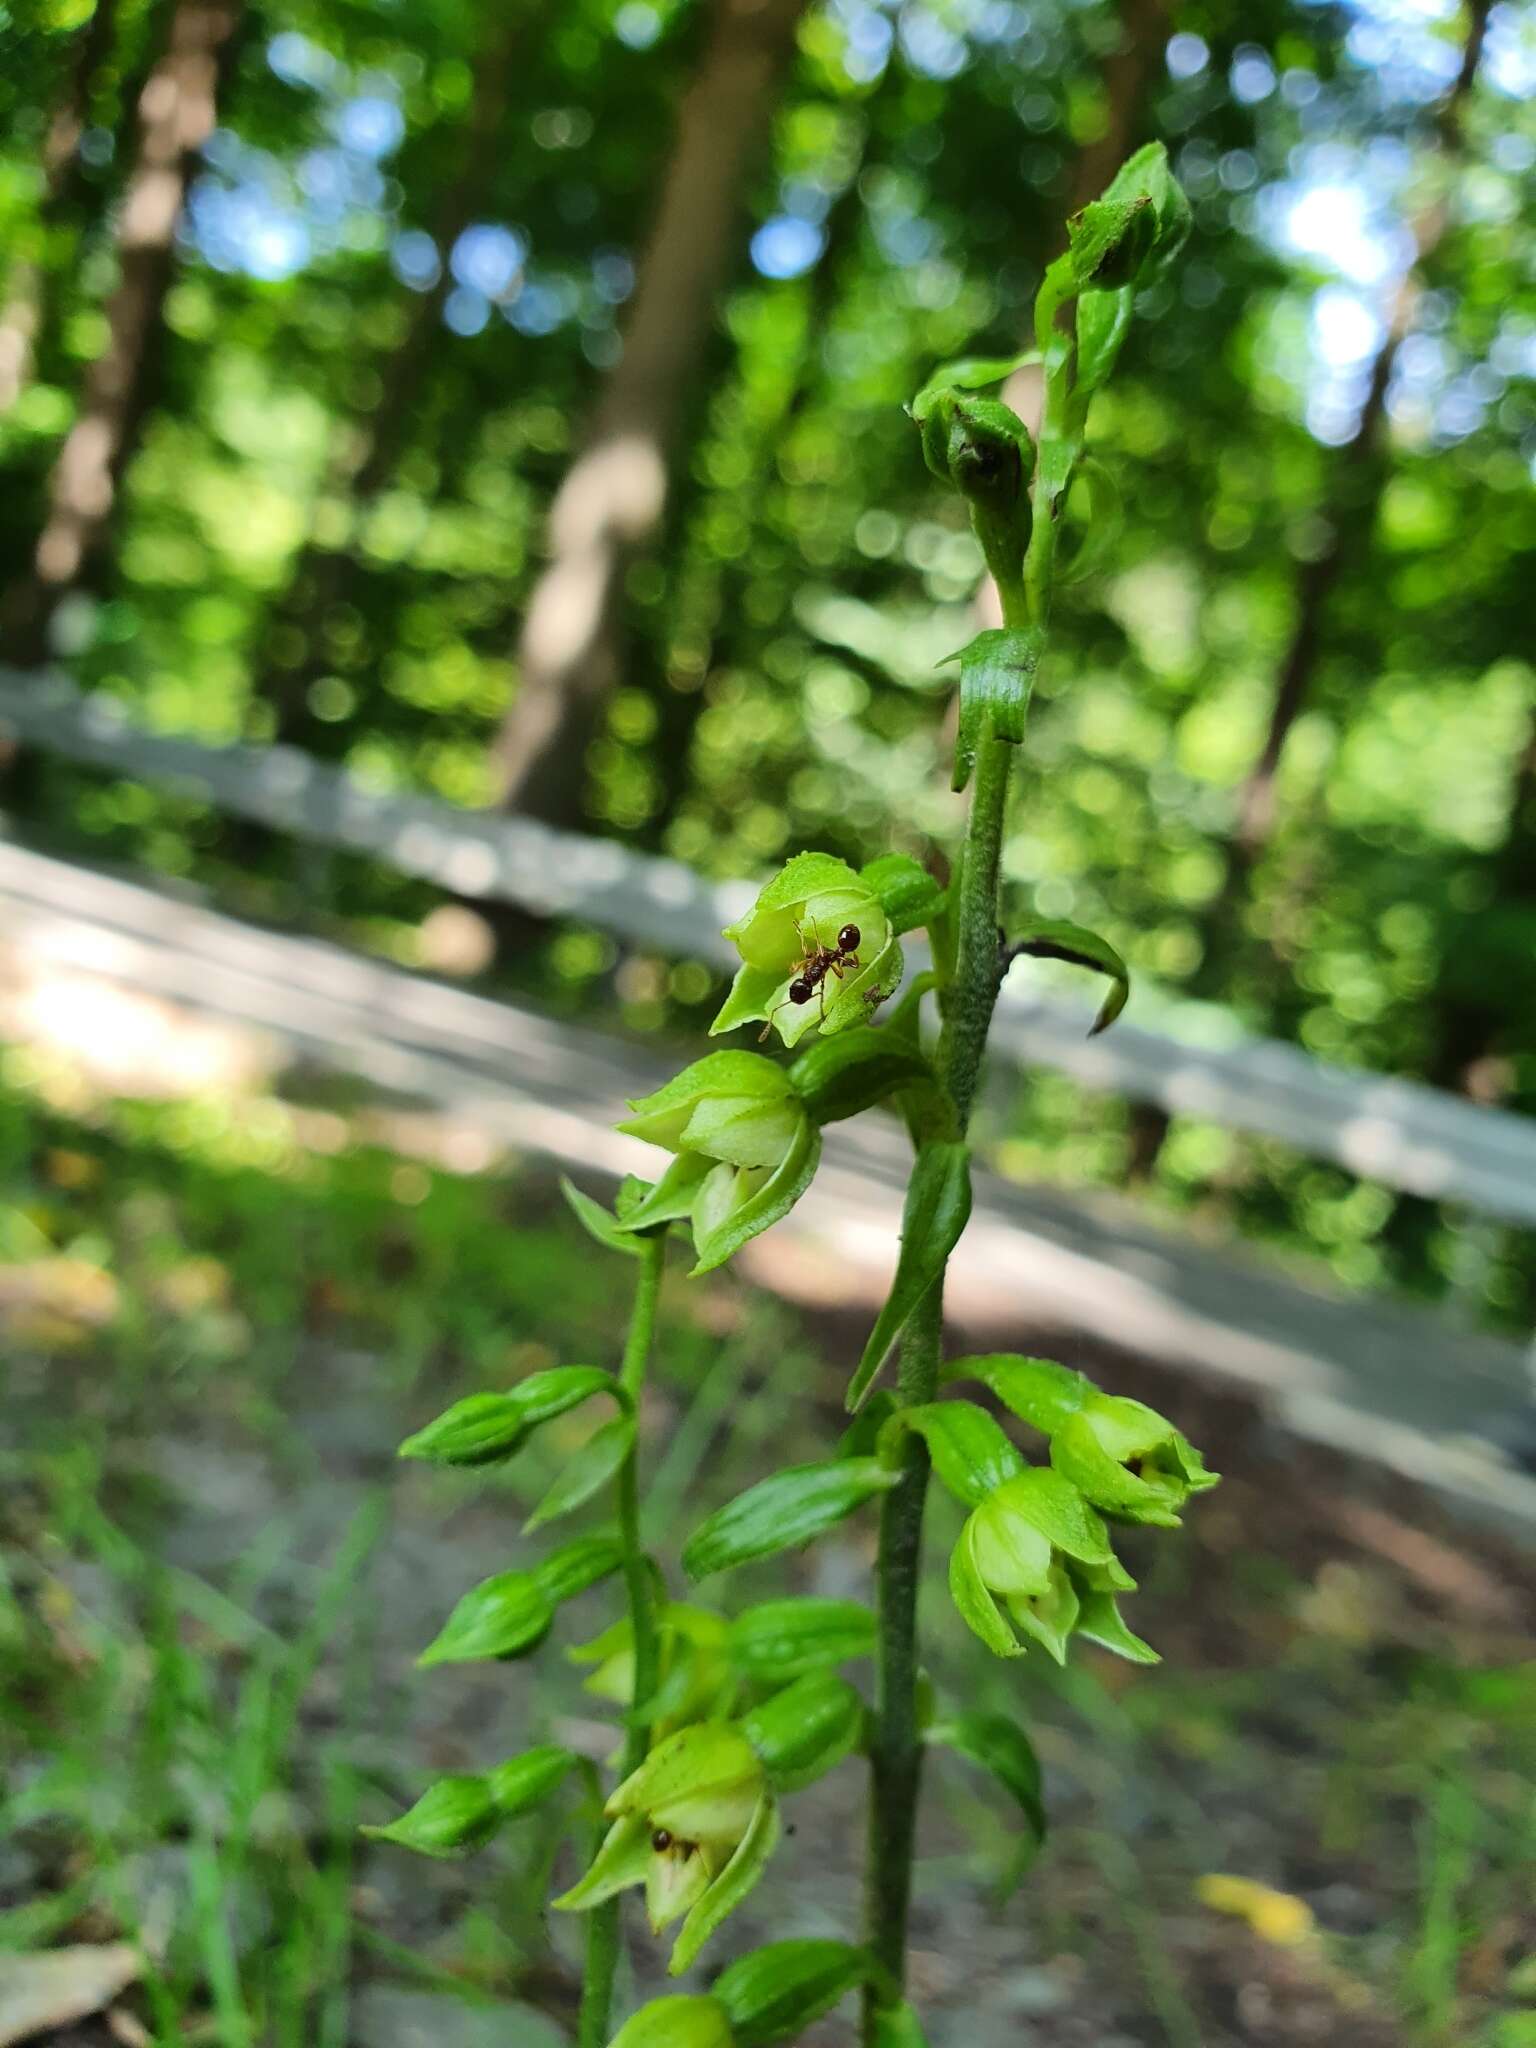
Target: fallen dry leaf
x,y
40,1992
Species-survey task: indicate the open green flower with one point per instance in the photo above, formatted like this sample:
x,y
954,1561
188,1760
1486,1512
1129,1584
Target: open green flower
x,y
695,1826
746,1147
1024,1561
818,948
1129,1460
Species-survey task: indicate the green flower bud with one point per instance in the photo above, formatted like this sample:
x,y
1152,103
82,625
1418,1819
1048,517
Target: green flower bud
x,y
746,1149
451,1817
677,2022
1020,1555
818,949
1129,1460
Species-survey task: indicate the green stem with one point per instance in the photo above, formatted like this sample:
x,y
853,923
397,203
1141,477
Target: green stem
x,y
603,1922
1057,457
896,1741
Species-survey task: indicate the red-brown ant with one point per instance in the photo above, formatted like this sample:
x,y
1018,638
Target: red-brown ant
x,y
815,964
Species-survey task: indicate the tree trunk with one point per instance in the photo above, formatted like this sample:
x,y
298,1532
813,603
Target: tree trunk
x,y
177,111
366,455
21,316
613,497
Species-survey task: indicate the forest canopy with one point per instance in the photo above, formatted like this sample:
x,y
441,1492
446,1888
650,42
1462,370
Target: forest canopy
x,y
510,408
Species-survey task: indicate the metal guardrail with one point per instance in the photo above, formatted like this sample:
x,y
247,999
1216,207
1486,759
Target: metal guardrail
x,y
1411,1137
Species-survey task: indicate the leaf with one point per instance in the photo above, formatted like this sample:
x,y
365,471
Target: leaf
x,y
1147,173
1000,1746
1057,939
897,2026
908,894
1106,517
970,1453
966,373
523,1781
452,1817
677,2022
598,1223
853,1071
1110,240
806,1729
1037,1390
1103,321
504,1616
575,1566
774,1993
733,1884
588,1470
783,1639
782,1512
936,1210
997,675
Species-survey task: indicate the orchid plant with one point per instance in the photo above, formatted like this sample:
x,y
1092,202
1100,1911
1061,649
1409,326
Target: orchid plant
x,y
725,1719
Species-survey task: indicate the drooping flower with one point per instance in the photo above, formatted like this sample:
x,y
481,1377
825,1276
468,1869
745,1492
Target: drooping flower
x,y
1129,1460
818,949
1030,1560
746,1145
694,1825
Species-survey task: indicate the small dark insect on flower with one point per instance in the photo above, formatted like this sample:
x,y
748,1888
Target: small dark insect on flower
x,y
816,963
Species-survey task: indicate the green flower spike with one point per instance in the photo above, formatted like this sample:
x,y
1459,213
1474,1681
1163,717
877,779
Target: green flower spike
x,y
818,948
695,1826
746,1147
1129,1460
1019,1565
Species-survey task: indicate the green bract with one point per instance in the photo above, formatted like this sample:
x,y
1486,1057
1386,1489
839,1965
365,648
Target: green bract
x,y
747,1149
801,915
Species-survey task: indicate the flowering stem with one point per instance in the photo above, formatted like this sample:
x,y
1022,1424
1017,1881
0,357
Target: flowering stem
x,y
603,1923
896,1744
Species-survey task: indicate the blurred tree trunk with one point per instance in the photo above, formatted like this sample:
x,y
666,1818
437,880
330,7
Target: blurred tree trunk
x,y
176,114
21,317
1349,509
366,452
681,708
614,495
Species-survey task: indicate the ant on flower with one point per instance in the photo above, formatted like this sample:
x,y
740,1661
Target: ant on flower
x,y
816,962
